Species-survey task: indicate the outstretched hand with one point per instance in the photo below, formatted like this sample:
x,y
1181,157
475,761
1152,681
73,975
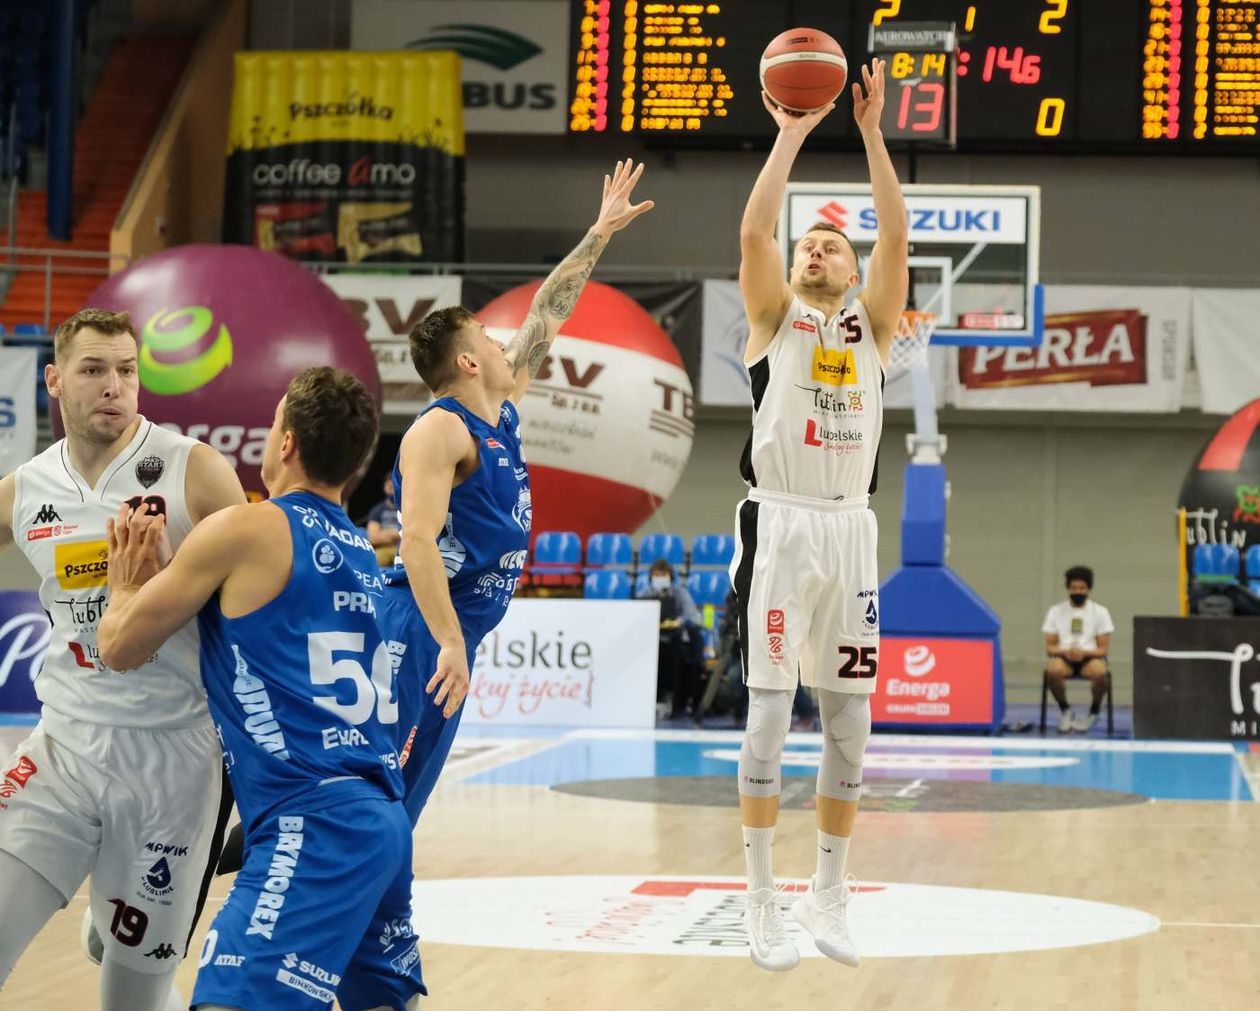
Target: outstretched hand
x,y
794,122
616,211
868,108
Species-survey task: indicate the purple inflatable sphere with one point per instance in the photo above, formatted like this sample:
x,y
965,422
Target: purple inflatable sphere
x,y
222,331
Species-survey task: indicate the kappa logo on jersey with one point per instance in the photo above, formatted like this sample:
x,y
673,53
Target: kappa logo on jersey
x,y
81,564
804,324
834,367
47,514
162,952
149,471
284,861
325,556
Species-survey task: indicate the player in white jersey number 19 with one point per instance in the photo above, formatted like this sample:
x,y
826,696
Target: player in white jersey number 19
x,y
122,779
804,573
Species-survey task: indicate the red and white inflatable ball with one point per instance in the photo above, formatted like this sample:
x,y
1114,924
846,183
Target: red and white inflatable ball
x,y
608,423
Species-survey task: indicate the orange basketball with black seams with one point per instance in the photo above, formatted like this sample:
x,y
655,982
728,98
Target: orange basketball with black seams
x,y
803,69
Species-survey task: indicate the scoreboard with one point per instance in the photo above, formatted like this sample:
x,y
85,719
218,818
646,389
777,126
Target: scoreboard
x,y
1169,76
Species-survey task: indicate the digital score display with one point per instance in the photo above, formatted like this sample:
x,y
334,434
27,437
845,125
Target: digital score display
x,y
1044,75
1201,67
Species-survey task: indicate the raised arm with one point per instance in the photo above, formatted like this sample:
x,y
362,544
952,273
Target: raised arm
x,y
431,453
557,298
887,274
762,273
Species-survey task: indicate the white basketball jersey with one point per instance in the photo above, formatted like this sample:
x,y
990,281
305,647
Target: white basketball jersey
x,y
59,524
818,406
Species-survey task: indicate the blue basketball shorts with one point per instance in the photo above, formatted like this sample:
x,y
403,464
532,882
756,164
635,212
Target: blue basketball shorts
x,y
319,871
425,735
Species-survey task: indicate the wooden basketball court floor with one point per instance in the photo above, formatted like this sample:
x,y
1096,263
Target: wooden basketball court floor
x,y
601,869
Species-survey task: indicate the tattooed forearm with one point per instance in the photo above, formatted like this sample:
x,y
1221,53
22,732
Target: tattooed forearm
x,y
559,294
554,303
536,357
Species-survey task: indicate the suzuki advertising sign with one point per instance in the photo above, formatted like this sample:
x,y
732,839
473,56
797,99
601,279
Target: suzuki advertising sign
x,y
934,681
933,219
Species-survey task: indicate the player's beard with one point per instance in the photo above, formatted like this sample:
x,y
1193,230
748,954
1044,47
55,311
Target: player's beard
x,y
83,427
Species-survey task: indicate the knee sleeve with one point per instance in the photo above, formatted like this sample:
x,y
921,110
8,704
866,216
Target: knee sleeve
x,y
846,723
761,753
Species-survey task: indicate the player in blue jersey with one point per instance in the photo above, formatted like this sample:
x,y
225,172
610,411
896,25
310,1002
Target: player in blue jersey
x,y
300,686
464,504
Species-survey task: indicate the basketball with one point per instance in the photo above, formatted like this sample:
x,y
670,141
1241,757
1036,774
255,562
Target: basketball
x,y
803,69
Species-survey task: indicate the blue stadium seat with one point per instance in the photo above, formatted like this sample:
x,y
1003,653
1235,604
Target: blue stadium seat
x,y
557,558
607,584
1252,562
609,551
709,588
29,330
1216,563
712,551
667,546
1228,562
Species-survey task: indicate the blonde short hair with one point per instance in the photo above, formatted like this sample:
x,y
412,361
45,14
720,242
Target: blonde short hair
x,y
111,324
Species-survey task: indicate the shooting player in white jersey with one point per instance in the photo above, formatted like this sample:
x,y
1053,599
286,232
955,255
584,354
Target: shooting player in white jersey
x,y
122,777
804,572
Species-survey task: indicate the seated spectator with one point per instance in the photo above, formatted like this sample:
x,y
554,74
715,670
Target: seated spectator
x,y
1078,633
384,529
681,642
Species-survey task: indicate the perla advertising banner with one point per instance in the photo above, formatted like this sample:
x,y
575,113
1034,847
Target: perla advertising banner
x,y
1104,349
568,663
347,157
515,54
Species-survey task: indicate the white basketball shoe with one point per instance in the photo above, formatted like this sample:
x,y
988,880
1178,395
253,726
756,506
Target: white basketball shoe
x,y
822,914
768,942
89,940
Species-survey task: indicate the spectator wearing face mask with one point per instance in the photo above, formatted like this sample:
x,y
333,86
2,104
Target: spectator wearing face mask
x,y
1078,633
680,640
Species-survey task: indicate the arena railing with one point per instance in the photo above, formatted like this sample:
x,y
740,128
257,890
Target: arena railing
x,y
28,259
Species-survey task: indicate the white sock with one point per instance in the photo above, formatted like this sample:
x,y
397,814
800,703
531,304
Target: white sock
x,y
757,844
832,850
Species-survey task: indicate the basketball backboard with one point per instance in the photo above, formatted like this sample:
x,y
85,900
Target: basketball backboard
x,y
974,252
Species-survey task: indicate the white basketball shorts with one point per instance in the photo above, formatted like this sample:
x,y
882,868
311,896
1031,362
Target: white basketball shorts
x,y
136,809
805,580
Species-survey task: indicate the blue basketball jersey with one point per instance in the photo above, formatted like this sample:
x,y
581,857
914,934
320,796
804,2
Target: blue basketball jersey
x,y
302,689
486,537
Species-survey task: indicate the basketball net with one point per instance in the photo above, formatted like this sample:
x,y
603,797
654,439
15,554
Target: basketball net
x,y
910,342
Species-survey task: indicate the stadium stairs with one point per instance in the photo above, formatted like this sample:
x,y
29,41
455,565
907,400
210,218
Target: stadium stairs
x,y
136,84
